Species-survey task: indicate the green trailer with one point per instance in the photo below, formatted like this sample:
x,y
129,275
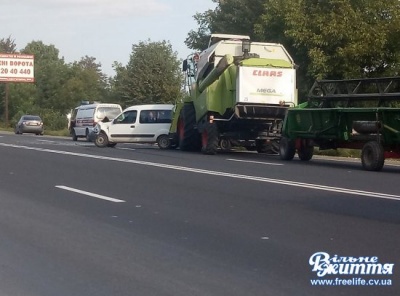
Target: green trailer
x,y
356,114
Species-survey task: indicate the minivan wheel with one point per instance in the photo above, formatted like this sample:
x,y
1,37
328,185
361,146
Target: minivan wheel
x,y
164,142
101,140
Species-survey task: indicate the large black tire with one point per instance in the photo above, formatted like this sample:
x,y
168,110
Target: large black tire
x,y
209,139
101,140
262,146
306,151
225,144
287,149
372,156
188,136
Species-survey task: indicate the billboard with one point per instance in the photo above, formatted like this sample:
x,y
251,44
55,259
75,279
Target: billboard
x,y
16,67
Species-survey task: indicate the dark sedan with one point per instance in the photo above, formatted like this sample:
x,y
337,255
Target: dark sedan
x,y
29,124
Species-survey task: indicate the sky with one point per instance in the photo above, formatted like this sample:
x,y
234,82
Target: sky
x,y
103,29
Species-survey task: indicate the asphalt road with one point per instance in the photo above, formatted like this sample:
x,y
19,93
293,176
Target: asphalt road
x,y
135,220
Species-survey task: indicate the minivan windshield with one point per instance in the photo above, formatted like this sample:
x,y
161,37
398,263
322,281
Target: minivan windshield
x,y
110,112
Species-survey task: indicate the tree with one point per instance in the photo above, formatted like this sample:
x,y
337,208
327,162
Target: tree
x,y
7,45
50,74
229,17
333,39
152,75
87,82
342,38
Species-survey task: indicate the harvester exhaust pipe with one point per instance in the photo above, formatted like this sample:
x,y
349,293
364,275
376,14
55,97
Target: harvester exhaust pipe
x,y
246,47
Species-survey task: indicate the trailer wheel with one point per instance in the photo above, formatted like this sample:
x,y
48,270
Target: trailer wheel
x,y
188,137
306,151
372,156
262,146
225,144
209,139
287,149
101,140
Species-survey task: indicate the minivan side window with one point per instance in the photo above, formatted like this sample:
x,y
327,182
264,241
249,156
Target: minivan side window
x,y
155,116
127,117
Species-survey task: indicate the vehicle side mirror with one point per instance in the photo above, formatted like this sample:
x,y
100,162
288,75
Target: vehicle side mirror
x,y
105,119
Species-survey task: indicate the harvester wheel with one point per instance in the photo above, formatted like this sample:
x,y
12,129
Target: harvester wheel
x,y
306,151
188,137
287,149
372,156
209,139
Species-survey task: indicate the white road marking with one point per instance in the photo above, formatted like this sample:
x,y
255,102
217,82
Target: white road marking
x,y
251,161
46,141
89,193
221,174
339,159
122,148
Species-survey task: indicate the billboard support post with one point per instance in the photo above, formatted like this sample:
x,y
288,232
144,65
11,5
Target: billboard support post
x,y
6,104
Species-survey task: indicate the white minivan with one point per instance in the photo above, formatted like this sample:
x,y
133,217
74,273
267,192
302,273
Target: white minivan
x,y
137,124
85,117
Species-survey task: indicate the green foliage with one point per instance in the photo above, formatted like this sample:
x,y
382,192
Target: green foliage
x,y
7,45
332,39
343,39
230,17
52,120
58,86
152,75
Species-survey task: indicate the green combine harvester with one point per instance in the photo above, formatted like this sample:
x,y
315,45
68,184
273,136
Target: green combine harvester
x,y
356,114
238,95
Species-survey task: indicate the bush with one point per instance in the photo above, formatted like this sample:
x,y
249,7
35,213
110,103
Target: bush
x,y
52,120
